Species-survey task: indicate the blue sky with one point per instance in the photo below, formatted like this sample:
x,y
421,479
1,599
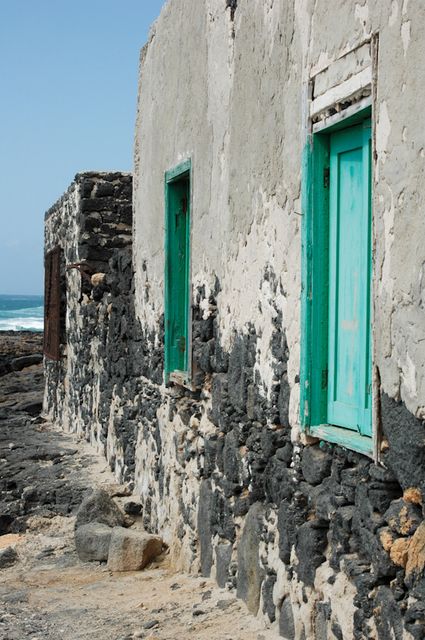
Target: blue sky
x,y
67,104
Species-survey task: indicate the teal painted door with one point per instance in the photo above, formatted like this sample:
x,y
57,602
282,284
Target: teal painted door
x,y
349,339
177,300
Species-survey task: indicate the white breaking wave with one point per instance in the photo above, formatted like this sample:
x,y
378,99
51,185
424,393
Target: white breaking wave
x,y
21,324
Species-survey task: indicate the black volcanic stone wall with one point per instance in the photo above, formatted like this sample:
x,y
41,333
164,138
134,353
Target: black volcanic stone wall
x,y
128,363
331,503
256,489
93,224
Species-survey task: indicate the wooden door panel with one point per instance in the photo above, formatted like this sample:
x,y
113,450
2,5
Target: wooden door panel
x,y
178,274
52,304
349,280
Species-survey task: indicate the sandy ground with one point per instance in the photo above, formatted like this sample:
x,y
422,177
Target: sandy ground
x,y
49,594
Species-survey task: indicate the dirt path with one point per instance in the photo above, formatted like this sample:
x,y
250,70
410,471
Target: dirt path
x,y
49,594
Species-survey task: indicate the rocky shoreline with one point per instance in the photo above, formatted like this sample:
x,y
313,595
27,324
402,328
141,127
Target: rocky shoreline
x,y
31,464
19,349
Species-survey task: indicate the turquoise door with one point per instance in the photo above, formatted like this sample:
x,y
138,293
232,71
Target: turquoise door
x,y
177,274
349,339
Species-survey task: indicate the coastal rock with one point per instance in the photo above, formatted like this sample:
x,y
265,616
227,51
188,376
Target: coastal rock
x,y
8,557
15,345
99,507
92,542
17,364
132,550
32,403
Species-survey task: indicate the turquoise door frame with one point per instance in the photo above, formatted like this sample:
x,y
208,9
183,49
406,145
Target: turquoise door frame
x,y
336,161
177,273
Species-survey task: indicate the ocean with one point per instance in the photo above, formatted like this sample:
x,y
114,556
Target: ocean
x,y
19,313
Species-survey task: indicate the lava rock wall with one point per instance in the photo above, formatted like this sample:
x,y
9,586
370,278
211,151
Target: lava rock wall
x,y
92,223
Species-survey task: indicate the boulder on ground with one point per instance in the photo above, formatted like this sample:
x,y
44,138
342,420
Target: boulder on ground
x,y
99,507
17,364
8,557
92,542
31,403
132,550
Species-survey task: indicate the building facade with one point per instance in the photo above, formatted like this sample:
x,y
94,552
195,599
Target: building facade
x,y
268,395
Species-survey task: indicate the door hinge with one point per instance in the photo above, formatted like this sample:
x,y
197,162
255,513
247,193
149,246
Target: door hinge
x,y
326,174
324,378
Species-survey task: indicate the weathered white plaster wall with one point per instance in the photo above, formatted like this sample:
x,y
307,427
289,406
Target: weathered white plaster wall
x,y
245,147
229,95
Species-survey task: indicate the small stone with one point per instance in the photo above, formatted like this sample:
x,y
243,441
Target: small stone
x,y
151,624
133,508
224,604
413,495
15,597
198,612
98,279
399,551
403,517
45,553
385,445
386,537
132,550
315,464
117,490
92,542
8,557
